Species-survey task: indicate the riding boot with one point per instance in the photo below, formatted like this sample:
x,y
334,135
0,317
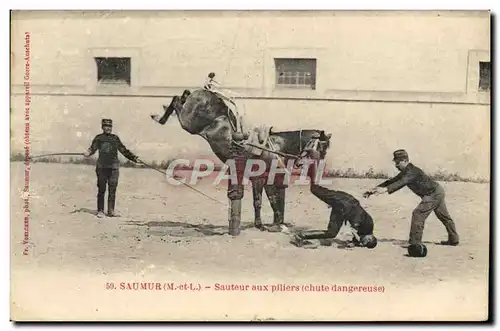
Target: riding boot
x,y
235,217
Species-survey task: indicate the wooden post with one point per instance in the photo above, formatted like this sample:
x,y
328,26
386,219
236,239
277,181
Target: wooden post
x,y
235,201
235,217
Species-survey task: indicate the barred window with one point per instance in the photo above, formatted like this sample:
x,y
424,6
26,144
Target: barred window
x,y
484,76
296,73
113,70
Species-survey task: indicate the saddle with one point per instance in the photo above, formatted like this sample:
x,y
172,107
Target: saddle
x,y
258,136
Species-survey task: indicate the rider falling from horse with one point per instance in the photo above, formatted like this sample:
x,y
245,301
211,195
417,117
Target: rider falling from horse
x,y
213,86
345,208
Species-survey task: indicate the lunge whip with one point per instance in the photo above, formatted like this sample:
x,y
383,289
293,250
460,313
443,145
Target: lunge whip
x,y
53,154
185,184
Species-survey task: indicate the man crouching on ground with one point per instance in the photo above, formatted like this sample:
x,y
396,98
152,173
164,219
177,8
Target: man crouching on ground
x,y
345,208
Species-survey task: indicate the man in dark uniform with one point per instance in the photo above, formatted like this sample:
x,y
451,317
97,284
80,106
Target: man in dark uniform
x,y
345,208
107,168
432,194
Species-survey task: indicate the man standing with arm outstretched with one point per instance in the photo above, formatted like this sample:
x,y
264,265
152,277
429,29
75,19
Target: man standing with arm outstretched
x,y
431,193
107,168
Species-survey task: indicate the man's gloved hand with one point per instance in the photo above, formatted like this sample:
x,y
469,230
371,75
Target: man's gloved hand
x,y
367,194
375,191
380,190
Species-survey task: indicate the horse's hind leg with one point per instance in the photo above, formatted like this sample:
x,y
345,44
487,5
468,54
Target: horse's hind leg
x,y
257,189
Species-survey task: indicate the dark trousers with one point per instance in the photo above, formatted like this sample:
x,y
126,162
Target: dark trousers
x,y
106,177
337,219
344,208
434,202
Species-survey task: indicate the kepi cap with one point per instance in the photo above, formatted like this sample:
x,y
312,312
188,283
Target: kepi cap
x,y
106,122
400,154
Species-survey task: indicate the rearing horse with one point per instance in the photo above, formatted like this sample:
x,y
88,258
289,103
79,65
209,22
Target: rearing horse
x,y
204,113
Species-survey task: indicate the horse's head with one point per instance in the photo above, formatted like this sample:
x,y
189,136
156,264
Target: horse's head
x,y
316,148
323,143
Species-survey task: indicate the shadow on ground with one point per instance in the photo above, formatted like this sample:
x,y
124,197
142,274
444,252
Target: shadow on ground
x,y
186,229
344,244
85,210
404,243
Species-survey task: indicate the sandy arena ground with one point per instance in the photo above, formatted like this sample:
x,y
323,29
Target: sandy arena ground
x,y
172,234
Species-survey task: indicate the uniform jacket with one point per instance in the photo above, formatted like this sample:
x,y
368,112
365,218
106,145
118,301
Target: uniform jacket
x,y
108,146
346,207
413,177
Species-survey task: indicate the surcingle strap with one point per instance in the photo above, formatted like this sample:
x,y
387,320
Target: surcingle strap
x,y
231,107
213,86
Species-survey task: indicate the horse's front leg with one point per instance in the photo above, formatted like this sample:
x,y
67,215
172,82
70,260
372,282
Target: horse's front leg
x,y
257,189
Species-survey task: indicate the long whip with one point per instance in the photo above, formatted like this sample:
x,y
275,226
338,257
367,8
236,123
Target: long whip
x,y
185,184
142,162
53,154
